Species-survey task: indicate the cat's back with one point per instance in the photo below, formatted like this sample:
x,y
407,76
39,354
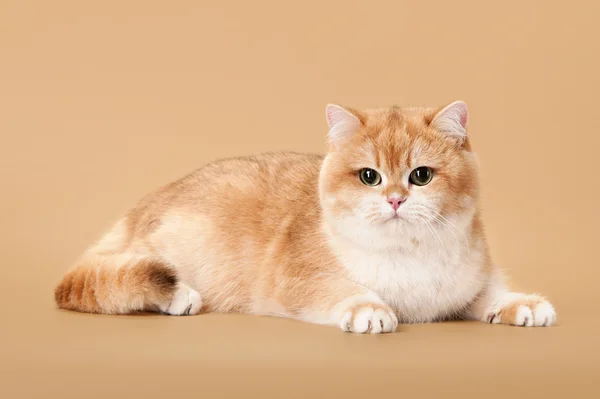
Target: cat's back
x,y
251,193
270,177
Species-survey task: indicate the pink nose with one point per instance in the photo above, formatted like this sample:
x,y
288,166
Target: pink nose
x,y
395,202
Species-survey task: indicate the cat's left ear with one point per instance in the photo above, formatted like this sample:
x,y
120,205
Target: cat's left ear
x,y
452,120
342,123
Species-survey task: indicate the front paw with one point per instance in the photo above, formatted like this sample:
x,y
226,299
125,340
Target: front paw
x,y
523,310
369,318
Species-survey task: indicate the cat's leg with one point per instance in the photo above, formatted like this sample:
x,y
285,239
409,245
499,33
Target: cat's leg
x,y
343,303
125,283
498,305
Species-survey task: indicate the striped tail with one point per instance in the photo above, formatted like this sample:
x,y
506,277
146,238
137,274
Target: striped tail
x,y
116,284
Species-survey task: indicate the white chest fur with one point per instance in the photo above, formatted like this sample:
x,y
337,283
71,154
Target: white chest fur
x,y
419,287
423,282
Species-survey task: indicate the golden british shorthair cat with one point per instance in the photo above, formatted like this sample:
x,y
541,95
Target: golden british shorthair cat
x,y
383,229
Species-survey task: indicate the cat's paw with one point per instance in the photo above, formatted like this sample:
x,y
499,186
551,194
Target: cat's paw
x,y
185,301
523,310
369,318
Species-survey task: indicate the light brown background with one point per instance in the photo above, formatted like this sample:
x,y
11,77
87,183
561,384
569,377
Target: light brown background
x,y
101,102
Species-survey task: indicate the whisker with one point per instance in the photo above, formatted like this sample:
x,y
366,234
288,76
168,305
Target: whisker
x,y
445,222
456,228
439,240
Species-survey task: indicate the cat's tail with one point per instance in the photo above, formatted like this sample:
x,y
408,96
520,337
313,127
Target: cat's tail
x,y
116,284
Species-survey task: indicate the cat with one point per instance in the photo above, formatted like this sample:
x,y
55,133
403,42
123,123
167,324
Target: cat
x,y
383,229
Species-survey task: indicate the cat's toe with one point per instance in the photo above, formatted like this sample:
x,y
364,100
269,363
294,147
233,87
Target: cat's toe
x,y
369,319
185,301
544,314
523,317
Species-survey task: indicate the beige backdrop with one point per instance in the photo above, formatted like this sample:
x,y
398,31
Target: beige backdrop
x,y
101,102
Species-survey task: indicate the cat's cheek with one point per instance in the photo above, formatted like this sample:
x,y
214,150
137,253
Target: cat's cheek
x,y
420,200
368,207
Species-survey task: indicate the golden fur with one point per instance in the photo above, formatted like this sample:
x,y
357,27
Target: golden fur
x,y
265,234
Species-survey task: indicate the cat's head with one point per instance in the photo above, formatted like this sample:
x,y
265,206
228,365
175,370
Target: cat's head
x,y
392,170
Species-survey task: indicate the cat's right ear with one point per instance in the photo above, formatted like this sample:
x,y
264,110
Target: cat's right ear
x,y
342,123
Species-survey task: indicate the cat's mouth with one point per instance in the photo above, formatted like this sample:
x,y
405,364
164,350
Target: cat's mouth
x,y
405,218
394,217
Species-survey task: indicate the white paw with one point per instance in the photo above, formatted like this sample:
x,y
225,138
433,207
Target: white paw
x,y
185,301
369,318
524,310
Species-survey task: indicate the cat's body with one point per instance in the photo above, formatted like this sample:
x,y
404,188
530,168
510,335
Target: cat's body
x,y
300,236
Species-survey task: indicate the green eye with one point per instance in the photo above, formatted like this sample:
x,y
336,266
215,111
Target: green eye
x,y
369,177
421,176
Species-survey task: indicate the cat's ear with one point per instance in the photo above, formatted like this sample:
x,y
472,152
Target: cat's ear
x,y
452,120
342,123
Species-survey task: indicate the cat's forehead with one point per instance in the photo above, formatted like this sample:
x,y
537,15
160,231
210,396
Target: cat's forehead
x,y
397,119
393,138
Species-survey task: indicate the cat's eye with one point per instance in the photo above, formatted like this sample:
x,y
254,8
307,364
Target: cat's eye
x,y
369,177
421,176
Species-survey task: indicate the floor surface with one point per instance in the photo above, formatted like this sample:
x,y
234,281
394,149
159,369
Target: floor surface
x,y
61,354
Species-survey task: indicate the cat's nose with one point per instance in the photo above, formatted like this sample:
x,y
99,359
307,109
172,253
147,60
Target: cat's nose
x,y
395,202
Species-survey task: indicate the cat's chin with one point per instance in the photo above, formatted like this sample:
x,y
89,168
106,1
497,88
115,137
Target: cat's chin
x,y
392,225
